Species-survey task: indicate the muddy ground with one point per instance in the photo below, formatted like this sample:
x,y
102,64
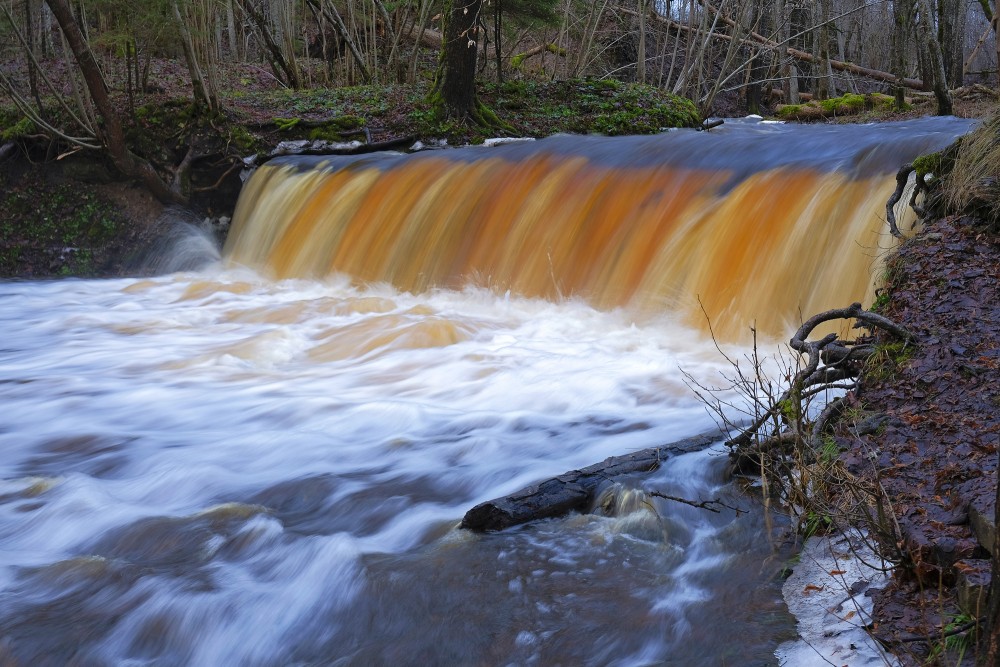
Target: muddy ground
x,y
925,426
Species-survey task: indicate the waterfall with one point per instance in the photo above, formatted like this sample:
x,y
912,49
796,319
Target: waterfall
x,y
759,224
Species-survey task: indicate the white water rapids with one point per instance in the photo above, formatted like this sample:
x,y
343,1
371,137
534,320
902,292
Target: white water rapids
x,y
218,468
213,469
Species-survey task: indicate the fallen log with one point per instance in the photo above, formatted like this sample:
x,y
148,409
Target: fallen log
x,y
428,37
576,489
760,41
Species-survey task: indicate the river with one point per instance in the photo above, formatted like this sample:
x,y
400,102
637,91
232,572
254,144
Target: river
x,y
264,463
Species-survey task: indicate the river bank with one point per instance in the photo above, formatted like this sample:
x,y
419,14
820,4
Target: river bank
x,y
924,428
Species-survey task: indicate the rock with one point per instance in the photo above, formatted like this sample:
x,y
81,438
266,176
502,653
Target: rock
x,y
500,141
983,525
973,584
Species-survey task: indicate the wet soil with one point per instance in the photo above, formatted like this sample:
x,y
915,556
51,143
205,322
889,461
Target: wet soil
x,y
926,426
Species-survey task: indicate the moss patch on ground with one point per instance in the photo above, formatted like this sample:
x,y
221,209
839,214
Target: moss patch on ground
x,y
523,108
872,105
587,106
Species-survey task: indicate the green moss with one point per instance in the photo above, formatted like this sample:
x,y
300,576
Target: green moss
x,y
337,128
240,137
604,106
851,104
886,361
788,111
286,124
18,130
928,164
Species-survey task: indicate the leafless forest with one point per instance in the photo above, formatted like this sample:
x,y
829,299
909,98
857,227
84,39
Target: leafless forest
x,y
746,50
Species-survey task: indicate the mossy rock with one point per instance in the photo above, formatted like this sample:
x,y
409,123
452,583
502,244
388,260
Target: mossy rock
x,y
836,107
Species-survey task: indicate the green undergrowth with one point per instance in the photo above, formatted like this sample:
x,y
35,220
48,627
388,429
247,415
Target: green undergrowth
x,y
524,108
585,106
58,230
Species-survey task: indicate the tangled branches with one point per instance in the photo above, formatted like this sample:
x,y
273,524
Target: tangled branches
x,y
841,362
902,176
785,439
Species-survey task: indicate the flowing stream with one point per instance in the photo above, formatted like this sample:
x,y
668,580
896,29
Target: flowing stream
x,y
264,462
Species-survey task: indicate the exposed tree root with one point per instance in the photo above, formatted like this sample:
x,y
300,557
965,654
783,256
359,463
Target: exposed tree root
x,y
841,360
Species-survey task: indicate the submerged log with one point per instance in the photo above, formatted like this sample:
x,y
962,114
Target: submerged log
x,y
576,489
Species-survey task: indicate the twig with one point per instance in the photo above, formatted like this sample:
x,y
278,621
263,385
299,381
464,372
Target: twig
x,y
909,639
703,504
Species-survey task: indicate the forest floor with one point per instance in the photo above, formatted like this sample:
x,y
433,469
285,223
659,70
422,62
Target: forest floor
x,y
933,416
66,213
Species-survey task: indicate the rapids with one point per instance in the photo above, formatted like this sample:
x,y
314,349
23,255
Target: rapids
x,y
264,463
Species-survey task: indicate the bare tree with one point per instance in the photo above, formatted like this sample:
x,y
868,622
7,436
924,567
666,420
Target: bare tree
x,y
111,132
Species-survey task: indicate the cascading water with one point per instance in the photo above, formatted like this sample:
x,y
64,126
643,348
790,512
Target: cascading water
x,y
264,463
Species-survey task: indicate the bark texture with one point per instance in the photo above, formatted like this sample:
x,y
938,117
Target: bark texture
x,y
456,83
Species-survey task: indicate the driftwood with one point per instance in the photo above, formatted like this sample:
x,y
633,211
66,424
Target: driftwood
x,y
920,186
574,490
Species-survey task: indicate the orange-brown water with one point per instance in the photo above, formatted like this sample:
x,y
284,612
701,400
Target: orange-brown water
x,y
216,468
767,245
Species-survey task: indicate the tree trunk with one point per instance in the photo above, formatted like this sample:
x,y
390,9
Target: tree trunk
x,y
456,80
276,56
497,38
112,134
902,23
640,63
824,72
935,60
203,101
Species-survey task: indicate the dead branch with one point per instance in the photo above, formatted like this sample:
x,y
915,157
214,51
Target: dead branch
x,y
208,188
756,39
517,61
710,505
902,176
